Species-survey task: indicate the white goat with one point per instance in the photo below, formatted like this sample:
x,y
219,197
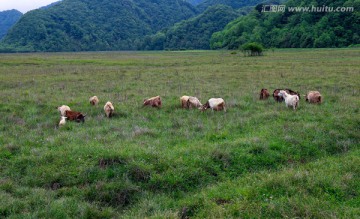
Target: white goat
x,y
290,100
109,109
62,120
94,100
62,109
193,102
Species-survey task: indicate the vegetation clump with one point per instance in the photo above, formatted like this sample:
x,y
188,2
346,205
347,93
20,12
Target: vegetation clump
x,y
252,49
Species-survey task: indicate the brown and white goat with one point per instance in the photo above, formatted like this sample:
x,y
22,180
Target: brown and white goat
x,y
217,104
75,116
62,121
62,109
154,102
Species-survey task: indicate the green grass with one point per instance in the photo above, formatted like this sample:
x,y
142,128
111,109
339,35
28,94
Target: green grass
x,y
257,160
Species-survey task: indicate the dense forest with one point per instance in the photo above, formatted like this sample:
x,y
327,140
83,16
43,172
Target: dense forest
x,y
7,20
194,2
294,29
232,3
82,25
194,33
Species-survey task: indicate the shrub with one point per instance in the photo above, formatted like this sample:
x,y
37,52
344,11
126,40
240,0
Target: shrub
x,y
252,49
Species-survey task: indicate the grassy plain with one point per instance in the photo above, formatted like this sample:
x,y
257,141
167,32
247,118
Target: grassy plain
x,y
257,160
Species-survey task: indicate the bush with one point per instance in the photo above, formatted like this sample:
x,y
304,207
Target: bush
x,y
354,46
252,49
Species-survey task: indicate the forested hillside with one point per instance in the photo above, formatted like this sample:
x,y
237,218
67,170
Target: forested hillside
x,y
84,25
194,33
194,2
294,29
81,25
7,20
232,3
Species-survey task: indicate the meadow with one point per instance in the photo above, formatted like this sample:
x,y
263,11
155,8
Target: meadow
x,y
257,160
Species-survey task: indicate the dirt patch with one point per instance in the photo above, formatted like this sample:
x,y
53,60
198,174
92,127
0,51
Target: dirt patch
x,y
139,174
55,186
106,162
221,201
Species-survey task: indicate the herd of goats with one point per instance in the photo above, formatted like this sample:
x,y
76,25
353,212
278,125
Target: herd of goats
x,y
290,97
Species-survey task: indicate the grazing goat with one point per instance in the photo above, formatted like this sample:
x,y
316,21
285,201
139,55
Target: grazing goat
x,y
313,97
94,100
279,98
109,109
62,121
290,100
75,116
193,102
154,102
183,101
264,94
62,109
216,104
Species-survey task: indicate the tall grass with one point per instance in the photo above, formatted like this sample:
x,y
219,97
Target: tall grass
x,y
259,159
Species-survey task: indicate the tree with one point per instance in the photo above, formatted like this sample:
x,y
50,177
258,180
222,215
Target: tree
x,y
252,49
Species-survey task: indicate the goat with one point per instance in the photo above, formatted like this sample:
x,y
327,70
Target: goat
x,y
290,100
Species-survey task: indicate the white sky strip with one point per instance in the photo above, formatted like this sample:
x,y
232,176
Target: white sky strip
x,y
23,5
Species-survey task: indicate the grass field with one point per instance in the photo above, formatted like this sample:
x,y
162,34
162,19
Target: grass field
x,y
257,160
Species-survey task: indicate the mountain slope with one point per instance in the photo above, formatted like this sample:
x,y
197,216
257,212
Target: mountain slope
x,y
194,2
82,25
7,20
194,33
294,29
232,3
